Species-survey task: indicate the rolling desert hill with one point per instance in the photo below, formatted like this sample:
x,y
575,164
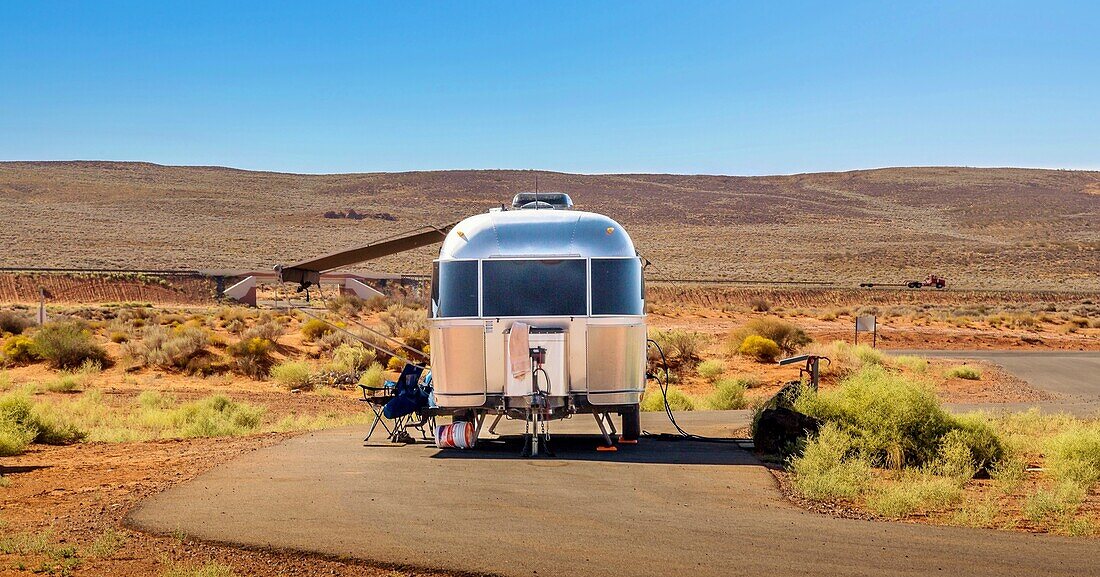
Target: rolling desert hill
x,y
981,228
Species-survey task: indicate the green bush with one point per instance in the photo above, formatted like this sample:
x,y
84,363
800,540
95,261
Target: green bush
x,y
293,375
786,336
831,467
395,364
760,348
677,400
374,376
350,359
67,345
314,329
728,395
964,372
65,383
23,422
216,416
895,422
14,323
1073,456
711,370
915,364
251,357
18,350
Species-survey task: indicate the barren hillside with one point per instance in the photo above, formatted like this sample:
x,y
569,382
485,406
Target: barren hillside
x,y
982,228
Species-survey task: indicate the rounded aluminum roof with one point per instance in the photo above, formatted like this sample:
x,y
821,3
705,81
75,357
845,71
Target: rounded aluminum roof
x,y
525,233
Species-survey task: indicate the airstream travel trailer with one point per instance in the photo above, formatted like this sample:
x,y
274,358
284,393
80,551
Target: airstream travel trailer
x,y
537,313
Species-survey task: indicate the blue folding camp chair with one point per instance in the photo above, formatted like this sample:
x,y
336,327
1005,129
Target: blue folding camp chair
x,y
400,402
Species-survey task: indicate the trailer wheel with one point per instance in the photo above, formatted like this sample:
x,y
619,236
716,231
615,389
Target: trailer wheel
x,y
632,424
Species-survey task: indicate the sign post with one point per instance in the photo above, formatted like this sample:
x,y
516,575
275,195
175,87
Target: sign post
x,y
41,306
867,324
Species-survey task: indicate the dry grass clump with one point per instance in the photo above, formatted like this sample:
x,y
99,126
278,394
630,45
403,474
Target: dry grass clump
x,y
711,370
23,422
787,336
677,400
759,304
963,372
728,395
293,375
208,569
374,376
347,305
67,345
267,328
350,358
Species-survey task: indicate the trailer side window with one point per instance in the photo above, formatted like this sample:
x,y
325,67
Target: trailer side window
x,y
617,286
515,288
454,289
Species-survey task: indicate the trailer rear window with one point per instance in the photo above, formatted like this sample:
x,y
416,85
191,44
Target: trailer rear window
x,y
617,286
454,289
513,288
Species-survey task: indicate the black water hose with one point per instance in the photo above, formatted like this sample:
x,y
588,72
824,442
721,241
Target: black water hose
x,y
668,410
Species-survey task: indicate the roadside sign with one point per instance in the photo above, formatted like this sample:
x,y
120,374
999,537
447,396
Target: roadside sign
x,y
867,324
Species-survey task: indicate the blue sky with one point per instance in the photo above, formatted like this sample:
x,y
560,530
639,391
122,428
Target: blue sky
x,y
701,87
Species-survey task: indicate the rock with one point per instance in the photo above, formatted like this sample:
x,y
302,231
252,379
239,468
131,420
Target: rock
x,y
778,430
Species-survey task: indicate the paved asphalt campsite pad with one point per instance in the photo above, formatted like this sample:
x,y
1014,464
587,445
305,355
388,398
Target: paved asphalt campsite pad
x,y
657,508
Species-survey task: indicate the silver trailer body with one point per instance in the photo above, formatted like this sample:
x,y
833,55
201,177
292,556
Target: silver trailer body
x,y
574,277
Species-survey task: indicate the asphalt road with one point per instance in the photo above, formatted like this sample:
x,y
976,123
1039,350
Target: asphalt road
x,y
1073,375
657,508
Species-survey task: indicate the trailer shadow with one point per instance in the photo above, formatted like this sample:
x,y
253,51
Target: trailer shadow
x,y
576,447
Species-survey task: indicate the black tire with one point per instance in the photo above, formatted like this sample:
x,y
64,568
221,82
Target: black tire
x,y
632,424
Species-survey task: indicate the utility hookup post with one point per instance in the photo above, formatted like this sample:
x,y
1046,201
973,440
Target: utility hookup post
x,y
41,306
867,324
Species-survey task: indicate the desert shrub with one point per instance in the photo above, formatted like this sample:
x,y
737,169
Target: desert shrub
x,y
395,364
345,305
23,422
681,348
351,359
786,335
293,375
759,304
711,370
267,329
417,339
729,394
677,401
67,344
330,341
831,467
374,376
314,329
14,323
1073,456
1050,506
18,350
760,348
963,372
251,357
894,421
176,348
400,320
